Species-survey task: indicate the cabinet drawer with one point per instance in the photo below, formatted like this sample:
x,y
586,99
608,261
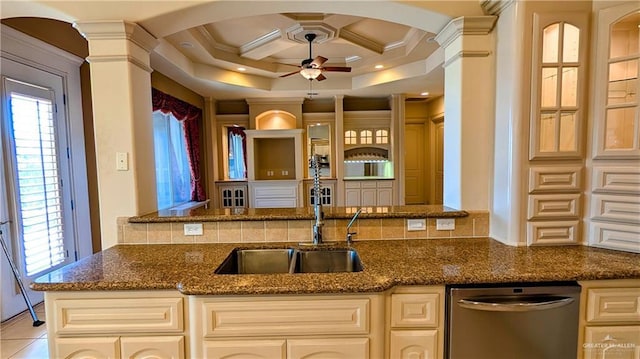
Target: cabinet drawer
x,y
385,184
351,184
613,305
554,179
415,310
552,206
369,184
276,192
285,317
122,315
620,208
553,232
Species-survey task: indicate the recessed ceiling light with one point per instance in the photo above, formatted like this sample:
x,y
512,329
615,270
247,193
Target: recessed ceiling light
x,y
186,45
379,66
424,94
241,69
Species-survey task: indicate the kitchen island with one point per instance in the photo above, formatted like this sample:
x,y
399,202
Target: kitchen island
x,y
165,300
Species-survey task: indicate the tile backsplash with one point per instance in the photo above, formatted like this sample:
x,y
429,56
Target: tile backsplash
x,y
474,225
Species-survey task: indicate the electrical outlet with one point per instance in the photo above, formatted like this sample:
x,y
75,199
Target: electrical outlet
x,y
416,224
193,229
445,224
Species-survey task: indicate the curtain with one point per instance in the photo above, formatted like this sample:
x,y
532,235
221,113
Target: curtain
x,y
237,152
190,117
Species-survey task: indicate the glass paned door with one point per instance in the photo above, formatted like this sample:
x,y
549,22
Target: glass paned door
x,y
36,178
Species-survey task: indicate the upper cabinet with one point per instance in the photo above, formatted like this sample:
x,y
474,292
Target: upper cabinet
x,y
616,112
558,79
367,144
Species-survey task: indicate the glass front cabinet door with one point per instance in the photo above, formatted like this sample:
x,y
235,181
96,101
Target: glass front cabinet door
x,y
617,59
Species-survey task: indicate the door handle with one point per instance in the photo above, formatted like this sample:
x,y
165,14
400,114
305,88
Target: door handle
x,y
515,306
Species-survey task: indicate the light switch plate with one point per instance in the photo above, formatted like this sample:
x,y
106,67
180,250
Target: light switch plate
x,y
193,229
122,161
416,224
445,224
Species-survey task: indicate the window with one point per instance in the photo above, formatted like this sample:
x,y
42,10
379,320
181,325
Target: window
x,y
173,177
236,159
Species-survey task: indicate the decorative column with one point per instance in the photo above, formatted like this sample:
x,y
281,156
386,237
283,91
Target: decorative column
x,y
121,93
397,146
469,92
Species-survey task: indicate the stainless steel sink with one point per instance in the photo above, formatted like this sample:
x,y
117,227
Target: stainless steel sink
x,y
289,260
258,261
328,261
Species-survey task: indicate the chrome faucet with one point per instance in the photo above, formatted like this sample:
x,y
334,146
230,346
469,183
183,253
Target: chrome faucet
x,y
349,233
317,205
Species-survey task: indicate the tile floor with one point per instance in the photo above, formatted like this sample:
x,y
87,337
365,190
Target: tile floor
x,y
19,339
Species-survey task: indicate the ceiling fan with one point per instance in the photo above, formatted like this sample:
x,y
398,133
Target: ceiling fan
x,y
311,68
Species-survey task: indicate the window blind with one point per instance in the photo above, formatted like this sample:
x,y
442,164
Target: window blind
x,y
38,182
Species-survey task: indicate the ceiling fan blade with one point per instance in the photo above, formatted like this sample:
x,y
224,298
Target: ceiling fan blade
x,y
290,73
337,69
321,77
318,61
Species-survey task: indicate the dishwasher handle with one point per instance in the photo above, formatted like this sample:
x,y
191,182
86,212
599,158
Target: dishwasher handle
x,y
496,305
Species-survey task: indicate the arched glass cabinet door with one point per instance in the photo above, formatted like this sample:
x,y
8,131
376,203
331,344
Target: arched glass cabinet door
x,y
558,86
617,69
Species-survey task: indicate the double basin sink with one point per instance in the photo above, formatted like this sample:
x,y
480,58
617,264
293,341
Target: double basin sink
x,y
290,260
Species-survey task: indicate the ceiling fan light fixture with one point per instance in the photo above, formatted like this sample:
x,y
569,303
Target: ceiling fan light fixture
x,y
310,73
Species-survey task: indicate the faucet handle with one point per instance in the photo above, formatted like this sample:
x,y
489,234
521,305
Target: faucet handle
x,y
350,237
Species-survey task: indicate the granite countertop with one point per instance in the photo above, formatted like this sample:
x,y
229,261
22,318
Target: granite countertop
x,y
387,263
261,214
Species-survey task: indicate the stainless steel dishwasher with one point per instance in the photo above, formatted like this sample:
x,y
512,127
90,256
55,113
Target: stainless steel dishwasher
x,y
515,321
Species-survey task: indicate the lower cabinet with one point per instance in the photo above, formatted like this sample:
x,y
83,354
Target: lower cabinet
x,y
610,319
416,322
368,193
121,347
409,344
145,324
298,326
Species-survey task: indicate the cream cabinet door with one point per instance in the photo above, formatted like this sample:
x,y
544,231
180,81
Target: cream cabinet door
x,y
87,348
255,349
352,197
162,347
352,348
413,344
385,197
369,197
615,342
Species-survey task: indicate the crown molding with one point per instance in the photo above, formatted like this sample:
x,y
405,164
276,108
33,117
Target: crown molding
x,y
117,30
495,7
465,25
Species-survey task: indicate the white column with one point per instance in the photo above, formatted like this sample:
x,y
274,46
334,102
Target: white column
x,y
338,144
469,111
121,93
397,145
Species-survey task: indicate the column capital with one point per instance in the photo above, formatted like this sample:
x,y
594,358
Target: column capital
x,y
465,25
495,7
116,41
117,30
